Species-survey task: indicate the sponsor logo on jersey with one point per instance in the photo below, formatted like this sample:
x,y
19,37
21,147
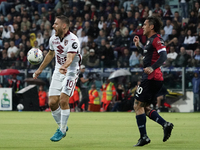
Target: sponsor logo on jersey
x,y
73,39
55,42
65,42
74,45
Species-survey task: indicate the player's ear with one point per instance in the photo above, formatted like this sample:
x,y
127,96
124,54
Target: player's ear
x,y
152,26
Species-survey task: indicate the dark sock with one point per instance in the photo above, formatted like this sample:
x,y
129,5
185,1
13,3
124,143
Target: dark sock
x,y
141,122
156,117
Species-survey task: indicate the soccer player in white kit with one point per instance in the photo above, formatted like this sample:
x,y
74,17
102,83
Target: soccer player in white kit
x,y
65,46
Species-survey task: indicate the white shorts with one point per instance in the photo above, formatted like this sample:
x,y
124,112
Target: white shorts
x,y
63,83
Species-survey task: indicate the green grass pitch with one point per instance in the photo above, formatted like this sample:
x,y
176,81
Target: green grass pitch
x,y
95,131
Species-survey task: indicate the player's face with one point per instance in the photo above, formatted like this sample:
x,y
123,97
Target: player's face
x,y
146,28
58,27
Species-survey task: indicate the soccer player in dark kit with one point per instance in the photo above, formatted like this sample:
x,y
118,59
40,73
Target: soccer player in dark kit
x,y
155,54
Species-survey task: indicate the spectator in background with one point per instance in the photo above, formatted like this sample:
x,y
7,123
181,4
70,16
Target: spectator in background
x,y
177,18
21,61
26,23
88,30
51,16
85,56
2,20
37,20
196,91
42,95
100,37
124,59
16,85
40,39
163,35
17,29
129,18
123,13
196,8
158,10
82,84
93,60
5,61
25,30
183,59
184,7
32,39
100,23
196,58
46,40
167,13
117,19
192,19
7,31
107,56
83,39
12,49
18,40
42,12
112,32
168,28
100,48
171,56
4,6
173,35
36,44
134,60
189,41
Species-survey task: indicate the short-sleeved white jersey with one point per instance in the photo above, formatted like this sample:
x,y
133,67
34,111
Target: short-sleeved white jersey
x,y
69,44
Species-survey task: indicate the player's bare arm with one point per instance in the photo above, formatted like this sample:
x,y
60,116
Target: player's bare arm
x,y
137,42
63,68
50,55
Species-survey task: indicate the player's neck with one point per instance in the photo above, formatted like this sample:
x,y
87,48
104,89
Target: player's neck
x,y
151,33
64,33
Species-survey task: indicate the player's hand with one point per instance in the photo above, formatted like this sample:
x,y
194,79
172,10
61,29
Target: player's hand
x,y
136,40
37,73
63,70
148,70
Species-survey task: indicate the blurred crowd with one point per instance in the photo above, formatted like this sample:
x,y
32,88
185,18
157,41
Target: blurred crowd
x,y
105,29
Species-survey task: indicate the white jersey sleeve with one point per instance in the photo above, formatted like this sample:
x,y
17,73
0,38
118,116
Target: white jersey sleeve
x,y
51,43
74,45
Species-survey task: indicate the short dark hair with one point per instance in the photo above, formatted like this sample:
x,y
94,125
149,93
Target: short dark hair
x,y
156,22
63,19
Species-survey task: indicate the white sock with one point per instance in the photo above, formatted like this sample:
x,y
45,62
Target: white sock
x,y
64,117
57,115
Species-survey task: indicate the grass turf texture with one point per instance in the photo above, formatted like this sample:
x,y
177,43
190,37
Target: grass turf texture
x,y
95,131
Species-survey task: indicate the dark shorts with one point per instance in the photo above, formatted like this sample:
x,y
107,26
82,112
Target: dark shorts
x,y
147,90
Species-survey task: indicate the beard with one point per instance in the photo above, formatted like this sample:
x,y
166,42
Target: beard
x,y
59,32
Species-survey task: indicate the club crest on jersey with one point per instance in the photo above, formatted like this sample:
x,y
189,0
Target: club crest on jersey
x,y
74,45
65,42
147,42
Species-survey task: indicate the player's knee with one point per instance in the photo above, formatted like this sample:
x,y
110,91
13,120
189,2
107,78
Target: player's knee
x,y
53,101
64,99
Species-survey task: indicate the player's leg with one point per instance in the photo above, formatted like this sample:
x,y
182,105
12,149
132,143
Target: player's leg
x,y
55,108
167,126
65,111
141,122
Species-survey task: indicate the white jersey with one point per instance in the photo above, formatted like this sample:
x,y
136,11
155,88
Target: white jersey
x,y
69,44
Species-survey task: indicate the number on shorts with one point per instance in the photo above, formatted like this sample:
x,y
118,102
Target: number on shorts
x,y
69,83
139,90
